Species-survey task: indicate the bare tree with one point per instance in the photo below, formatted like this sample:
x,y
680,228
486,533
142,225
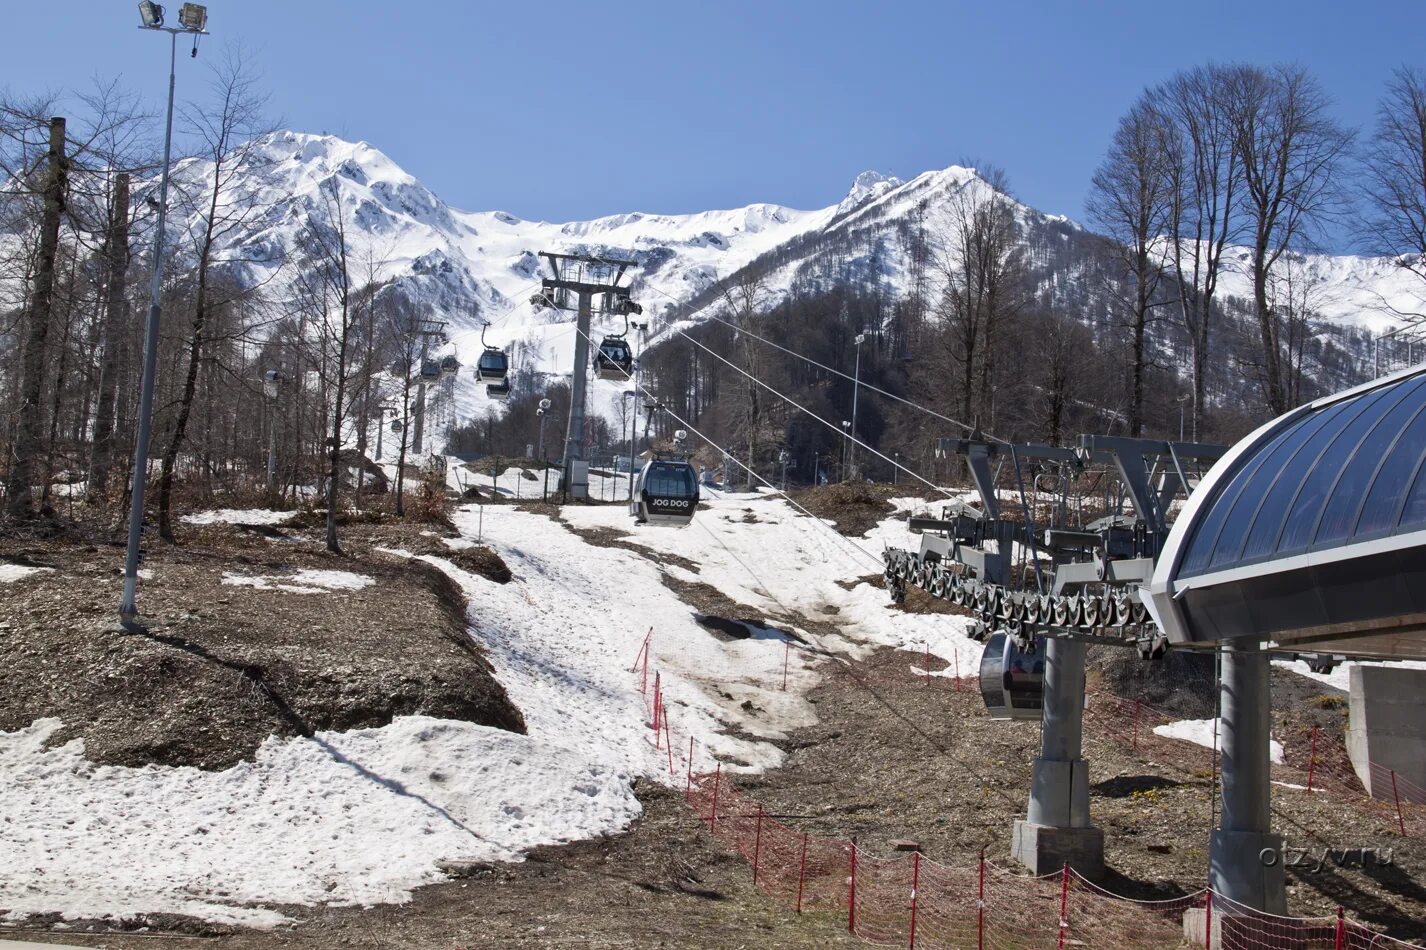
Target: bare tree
x,y
745,295
1131,199
1205,174
1292,151
983,265
27,433
1395,173
228,136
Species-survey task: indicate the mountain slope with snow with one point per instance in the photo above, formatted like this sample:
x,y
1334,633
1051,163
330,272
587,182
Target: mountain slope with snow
x,y
468,267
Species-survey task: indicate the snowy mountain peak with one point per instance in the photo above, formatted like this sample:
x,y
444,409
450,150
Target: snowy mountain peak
x,y
868,185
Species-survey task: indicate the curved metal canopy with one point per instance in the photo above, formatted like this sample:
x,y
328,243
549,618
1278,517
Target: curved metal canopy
x,y
1311,531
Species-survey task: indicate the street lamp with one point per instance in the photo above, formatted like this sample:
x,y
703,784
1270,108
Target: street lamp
x,y
856,390
544,407
1181,400
192,18
846,446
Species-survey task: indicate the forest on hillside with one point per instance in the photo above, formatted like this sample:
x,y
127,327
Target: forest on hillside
x,y
1024,328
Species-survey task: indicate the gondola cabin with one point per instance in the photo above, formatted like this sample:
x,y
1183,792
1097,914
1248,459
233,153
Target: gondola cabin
x,y
665,493
1011,679
500,390
614,360
430,369
449,366
492,367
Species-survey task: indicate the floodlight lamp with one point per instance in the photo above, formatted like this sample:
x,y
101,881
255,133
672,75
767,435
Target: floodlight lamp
x,y
193,16
544,404
680,435
151,14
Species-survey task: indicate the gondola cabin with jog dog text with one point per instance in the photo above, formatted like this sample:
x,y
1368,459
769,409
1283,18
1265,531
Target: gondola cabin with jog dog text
x,y
666,491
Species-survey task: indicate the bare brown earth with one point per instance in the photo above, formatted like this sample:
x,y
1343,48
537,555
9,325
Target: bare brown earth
x,y
222,667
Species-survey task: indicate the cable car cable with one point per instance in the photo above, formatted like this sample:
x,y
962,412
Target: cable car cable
x,y
808,359
688,425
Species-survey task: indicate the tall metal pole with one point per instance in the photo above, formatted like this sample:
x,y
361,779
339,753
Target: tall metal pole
x,y
420,413
272,447
574,437
128,607
856,390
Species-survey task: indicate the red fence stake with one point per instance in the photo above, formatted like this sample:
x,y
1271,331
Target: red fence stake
x,y
643,648
717,780
801,872
1208,921
758,844
852,894
1399,823
668,740
786,651
688,780
658,700
1341,943
644,685
956,683
1312,760
980,907
915,886
1064,905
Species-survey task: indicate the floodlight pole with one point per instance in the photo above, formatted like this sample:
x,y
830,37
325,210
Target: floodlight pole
x,y
856,390
128,607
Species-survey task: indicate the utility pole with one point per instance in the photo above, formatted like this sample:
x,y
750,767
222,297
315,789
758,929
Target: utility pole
x,y
428,330
585,278
856,390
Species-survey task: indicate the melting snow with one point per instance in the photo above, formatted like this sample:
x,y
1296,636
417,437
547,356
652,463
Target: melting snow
x,y
13,572
1202,732
302,582
240,516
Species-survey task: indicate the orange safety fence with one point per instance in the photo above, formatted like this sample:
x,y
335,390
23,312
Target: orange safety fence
x,y
910,900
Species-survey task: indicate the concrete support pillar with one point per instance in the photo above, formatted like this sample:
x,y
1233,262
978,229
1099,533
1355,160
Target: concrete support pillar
x,y
1056,829
1245,857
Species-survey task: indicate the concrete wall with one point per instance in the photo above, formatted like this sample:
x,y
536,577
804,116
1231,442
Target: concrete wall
x,y
1387,727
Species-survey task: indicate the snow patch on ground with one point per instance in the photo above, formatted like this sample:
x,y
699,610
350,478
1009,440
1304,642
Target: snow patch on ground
x,y
347,818
1341,675
240,516
302,582
1204,732
13,572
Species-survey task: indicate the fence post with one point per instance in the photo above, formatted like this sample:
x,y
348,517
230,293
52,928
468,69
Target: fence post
x,y
658,698
688,781
644,686
1341,929
980,907
915,886
801,872
852,893
667,738
757,843
1399,823
956,683
717,780
1208,921
1312,760
1064,905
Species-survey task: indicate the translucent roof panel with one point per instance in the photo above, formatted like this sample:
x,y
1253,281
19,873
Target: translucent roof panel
x,y
1346,471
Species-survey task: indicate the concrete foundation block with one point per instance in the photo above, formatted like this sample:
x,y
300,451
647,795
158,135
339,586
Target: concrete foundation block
x,y
1247,868
1387,728
1045,849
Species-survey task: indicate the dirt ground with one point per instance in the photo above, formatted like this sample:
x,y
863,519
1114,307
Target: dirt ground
x,y
223,666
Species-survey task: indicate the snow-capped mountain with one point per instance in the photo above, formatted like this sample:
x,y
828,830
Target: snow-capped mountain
x,y
467,267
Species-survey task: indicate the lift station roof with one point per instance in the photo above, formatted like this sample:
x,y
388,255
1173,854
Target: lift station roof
x,y
1310,532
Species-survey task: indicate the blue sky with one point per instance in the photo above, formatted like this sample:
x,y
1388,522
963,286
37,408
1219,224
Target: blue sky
x,y
566,111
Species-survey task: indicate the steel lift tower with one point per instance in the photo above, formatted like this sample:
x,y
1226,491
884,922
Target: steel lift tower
x,y
593,283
